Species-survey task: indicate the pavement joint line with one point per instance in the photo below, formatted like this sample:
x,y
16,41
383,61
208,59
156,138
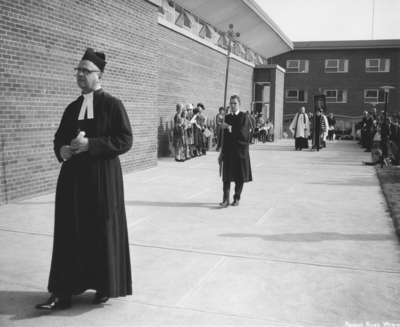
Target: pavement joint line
x,y
261,258
126,300
260,220
200,282
276,322
25,232
242,256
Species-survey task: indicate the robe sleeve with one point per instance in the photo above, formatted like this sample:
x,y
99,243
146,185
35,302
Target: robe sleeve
x,y
63,134
120,139
293,123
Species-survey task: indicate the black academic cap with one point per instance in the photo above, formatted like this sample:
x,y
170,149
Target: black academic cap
x,y
98,58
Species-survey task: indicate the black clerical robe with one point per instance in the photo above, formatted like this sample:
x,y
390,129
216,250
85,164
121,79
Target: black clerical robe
x,y
90,249
235,150
319,127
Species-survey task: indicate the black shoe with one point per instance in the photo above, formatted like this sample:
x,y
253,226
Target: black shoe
x,y
224,204
55,303
100,298
235,203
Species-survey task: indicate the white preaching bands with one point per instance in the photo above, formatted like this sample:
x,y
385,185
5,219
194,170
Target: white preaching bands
x,y
87,106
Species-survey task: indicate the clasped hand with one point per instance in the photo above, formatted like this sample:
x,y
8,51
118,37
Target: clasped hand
x,y
227,126
78,145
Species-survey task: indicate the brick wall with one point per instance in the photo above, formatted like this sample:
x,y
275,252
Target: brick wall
x,y
355,81
190,73
41,42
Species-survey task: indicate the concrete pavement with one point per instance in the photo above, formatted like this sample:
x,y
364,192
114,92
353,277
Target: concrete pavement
x,y
311,244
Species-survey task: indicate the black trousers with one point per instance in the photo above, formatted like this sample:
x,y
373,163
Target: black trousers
x,y
238,190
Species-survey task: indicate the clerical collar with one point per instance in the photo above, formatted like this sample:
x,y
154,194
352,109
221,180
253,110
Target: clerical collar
x,y
87,104
87,107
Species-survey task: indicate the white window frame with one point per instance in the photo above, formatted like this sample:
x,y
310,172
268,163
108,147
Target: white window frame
x,y
335,98
370,68
295,99
374,99
297,66
336,66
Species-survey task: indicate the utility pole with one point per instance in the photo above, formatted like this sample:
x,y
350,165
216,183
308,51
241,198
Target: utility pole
x,y
232,37
373,20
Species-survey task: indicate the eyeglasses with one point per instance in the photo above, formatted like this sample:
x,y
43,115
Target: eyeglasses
x,y
84,71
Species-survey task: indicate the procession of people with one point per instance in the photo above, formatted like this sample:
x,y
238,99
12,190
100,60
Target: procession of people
x,y
90,242
315,127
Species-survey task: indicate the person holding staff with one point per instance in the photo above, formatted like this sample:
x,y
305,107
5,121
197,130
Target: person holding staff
x,y
234,156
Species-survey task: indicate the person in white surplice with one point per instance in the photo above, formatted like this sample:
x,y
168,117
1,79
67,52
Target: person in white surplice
x,y
300,128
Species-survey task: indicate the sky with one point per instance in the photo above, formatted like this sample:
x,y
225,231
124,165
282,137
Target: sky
x,y
314,20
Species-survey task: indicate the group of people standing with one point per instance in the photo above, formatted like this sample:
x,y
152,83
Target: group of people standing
x,y
263,128
319,128
191,135
379,134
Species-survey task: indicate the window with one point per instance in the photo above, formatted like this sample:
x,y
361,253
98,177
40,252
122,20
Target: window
x,y
336,96
250,55
223,41
294,95
259,60
336,66
374,96
205,31
377,65
168,10
239,50
185,19
297,66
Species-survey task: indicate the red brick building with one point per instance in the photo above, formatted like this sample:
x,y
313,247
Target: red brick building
x,y
159,53
349,73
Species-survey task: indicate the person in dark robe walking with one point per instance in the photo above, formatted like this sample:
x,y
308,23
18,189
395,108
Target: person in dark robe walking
x,y
90,245
319,130
300,128
234,156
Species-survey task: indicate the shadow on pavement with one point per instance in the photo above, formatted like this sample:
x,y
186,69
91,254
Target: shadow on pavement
x,y
20,305
314,237
173,204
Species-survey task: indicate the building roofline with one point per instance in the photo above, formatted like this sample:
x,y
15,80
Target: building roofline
x,y
276,66
257,30
347,44
268,20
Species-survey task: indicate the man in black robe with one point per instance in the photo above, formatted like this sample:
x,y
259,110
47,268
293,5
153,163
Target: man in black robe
x,y
234,156
90,246
318,130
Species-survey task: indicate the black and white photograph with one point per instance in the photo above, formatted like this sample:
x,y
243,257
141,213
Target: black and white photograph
x,y
200,163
